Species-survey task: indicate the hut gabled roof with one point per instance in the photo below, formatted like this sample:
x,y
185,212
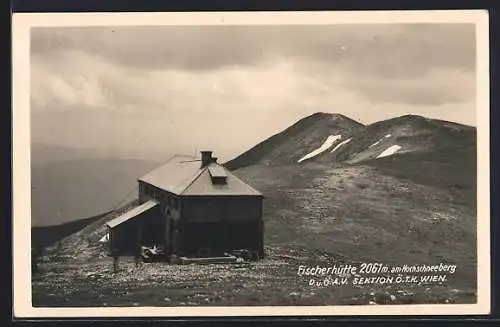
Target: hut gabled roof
x,y
185,175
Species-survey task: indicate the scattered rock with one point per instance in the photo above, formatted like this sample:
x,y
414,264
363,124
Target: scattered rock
x,y
393,298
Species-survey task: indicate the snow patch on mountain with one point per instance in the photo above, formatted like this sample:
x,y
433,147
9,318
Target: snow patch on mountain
x,y
389,151
325,146
387,136
375,143
340,144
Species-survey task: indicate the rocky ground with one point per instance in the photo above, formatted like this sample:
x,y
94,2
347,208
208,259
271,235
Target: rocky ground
x,y
272,281
325,217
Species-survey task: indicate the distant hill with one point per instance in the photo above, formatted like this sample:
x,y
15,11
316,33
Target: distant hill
x,y
45,153
42,153
69,190
47,235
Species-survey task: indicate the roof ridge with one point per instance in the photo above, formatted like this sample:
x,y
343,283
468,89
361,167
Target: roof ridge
x,y
229,174
239,179
196,176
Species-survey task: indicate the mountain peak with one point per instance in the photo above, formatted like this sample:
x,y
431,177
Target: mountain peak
x,y
319,113
413,117
328,115
331,117
420,120
290,144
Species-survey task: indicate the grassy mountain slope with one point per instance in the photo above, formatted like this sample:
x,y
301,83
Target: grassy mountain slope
x,y
412,133
294,142
44,236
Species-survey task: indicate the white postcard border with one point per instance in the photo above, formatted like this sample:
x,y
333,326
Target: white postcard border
x,y
21,24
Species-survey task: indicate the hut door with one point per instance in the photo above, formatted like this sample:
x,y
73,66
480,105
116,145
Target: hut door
x,y
175,240
168,234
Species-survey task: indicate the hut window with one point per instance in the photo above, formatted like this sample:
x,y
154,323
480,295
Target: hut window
x,y
219,180
218,174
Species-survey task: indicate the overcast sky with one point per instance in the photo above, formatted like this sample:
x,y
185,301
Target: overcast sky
x,y
157,90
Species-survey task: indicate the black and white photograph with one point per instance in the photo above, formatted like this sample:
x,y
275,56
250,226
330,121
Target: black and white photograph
x,y
176,164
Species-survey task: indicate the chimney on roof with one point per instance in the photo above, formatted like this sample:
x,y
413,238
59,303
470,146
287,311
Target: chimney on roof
x,y
206,158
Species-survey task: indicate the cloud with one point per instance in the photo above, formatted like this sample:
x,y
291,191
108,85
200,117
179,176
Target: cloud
x,y
438,86
390,49
74,76
169,47
79,77
180,87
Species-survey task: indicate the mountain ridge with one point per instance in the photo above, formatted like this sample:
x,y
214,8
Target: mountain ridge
x,y
352,141
311,122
